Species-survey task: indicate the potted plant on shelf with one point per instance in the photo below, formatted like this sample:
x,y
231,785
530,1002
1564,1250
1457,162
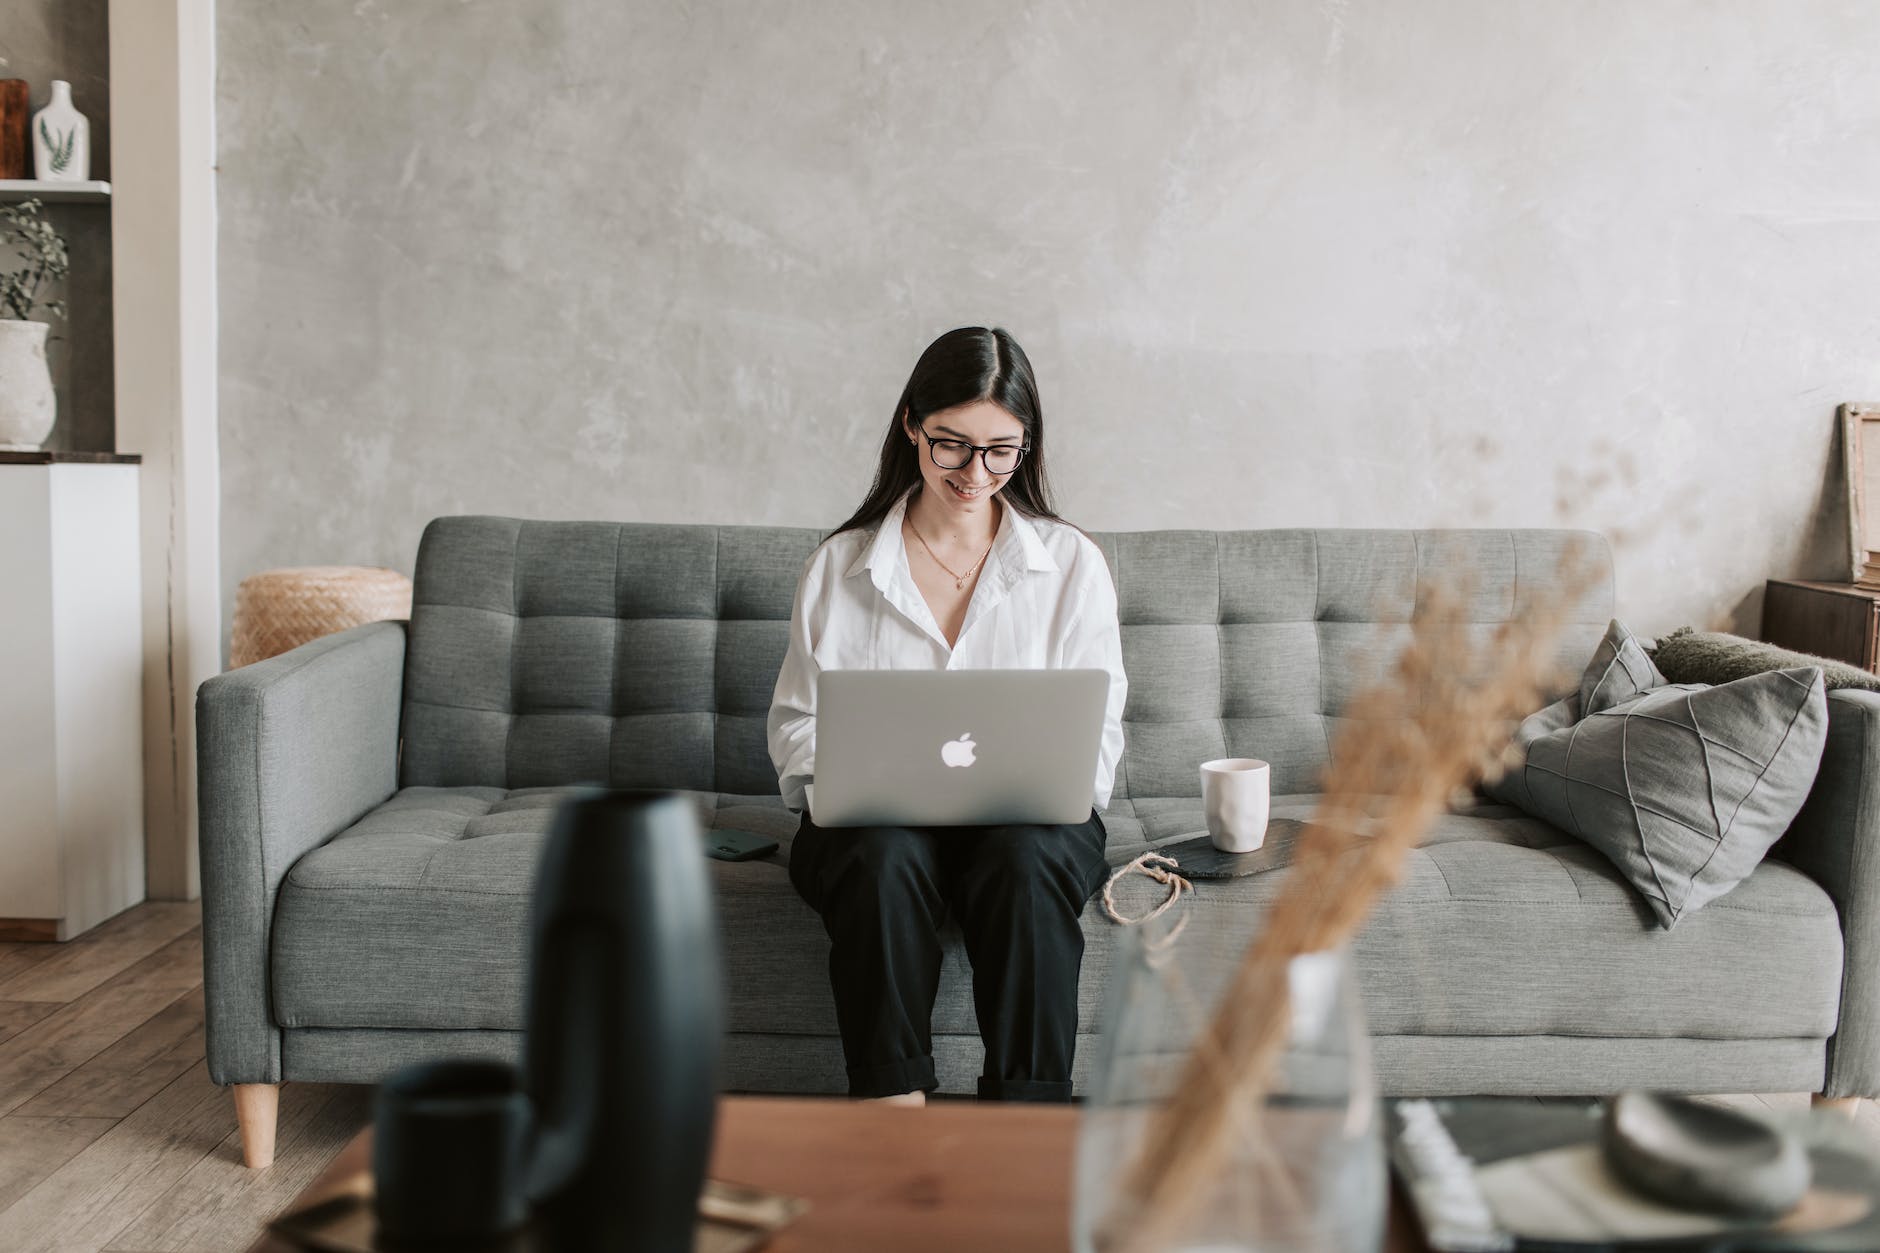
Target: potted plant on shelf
x,y
28,407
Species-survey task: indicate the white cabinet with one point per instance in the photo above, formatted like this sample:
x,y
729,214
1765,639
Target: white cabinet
x,y
71,714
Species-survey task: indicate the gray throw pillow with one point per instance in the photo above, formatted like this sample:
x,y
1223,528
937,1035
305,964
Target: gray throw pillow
x,y
1683,787
1688,656
1619,670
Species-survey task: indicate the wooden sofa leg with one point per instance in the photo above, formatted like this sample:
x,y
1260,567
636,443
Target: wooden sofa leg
x,y
1846,1106
256,1105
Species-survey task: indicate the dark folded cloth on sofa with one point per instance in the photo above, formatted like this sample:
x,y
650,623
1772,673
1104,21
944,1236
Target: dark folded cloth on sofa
x,y
1691,656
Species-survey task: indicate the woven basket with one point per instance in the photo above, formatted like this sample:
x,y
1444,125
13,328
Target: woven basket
x,y
281,609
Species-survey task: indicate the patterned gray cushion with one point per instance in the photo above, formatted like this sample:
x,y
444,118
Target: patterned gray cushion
x,y
1683,787
1620,670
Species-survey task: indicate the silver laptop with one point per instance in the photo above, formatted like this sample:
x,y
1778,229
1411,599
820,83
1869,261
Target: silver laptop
x,y
956,747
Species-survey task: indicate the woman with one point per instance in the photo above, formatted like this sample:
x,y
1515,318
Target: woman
x,y
955,561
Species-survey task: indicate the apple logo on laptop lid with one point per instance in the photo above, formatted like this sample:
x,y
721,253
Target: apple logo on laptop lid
x,y
959,752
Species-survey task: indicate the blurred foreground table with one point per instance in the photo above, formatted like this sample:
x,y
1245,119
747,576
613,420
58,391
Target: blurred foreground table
x,y
953,1175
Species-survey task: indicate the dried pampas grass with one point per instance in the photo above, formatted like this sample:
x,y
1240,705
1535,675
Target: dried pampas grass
x,y
1440,721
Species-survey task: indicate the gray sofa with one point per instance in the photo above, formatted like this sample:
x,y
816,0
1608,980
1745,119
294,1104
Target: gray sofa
x,y
373,804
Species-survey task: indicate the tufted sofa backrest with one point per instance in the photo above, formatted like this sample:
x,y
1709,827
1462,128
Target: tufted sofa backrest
x,y
643,655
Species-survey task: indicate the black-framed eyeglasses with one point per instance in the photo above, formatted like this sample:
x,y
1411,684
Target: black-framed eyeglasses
x,y
953,454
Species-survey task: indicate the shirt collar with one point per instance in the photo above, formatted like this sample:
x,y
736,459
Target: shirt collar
x,y
1017,546
1033,554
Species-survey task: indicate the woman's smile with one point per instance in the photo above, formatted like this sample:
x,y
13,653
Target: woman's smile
x,y
950,450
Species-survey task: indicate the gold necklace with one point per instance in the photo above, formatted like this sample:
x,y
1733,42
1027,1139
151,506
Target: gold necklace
x,y
959,580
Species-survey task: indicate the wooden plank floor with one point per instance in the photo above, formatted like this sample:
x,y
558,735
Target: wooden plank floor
x,y
111,1135
112,1138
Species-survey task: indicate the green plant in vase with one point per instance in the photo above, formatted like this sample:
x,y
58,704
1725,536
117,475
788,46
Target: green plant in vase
x,y
40,248
39,260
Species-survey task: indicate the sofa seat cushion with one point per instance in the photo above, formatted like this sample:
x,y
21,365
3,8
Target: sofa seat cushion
x,y
417,917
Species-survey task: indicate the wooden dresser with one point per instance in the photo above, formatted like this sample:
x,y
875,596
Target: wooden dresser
x,y
1835,620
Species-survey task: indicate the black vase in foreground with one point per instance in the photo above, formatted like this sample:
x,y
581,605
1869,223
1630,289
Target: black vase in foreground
x,y
625,1022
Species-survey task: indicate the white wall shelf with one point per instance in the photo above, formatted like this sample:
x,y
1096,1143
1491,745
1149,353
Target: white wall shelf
x,y
92,192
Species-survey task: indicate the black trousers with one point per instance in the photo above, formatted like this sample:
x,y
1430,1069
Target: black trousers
x,y
1017,892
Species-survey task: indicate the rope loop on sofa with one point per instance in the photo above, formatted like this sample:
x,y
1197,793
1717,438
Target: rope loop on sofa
x,y
1161,868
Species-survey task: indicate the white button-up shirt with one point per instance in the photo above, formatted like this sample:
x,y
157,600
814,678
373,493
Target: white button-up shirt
x,y
1044,601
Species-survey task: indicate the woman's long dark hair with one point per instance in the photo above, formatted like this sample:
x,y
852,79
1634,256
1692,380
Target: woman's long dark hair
x,y
969,364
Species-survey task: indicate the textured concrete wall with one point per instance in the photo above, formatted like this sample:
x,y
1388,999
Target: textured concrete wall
x,y
41,40
1354,263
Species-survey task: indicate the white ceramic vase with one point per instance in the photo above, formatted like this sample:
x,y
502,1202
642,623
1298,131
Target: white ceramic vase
x,y
27,405
61,139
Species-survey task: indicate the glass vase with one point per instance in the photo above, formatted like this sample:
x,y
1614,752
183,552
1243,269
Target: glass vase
x,y
1300,1167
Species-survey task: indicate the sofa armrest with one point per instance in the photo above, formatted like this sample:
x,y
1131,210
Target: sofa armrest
x,y
290,751
1836,841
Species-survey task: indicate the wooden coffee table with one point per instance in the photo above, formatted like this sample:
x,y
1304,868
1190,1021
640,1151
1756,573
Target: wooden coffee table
x,y
954,1175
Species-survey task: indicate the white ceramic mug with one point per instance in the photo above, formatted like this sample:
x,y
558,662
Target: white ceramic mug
x,y
1236,793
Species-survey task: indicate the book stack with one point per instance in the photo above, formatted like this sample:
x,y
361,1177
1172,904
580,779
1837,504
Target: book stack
x,y
1869,575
